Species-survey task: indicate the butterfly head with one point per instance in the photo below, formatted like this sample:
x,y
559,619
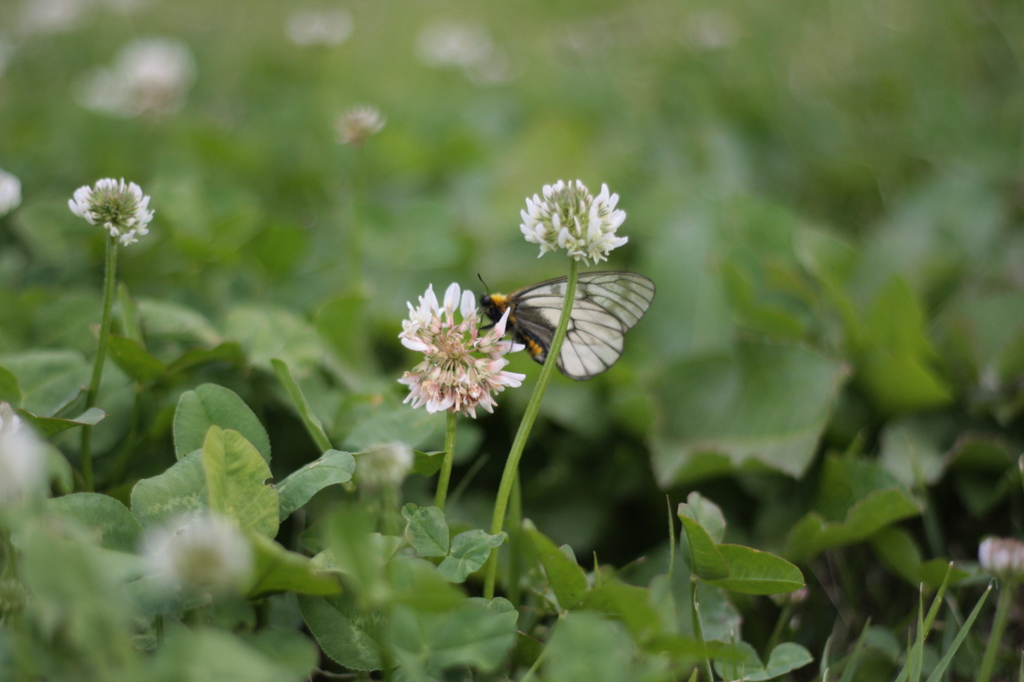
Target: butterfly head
x,y
494,305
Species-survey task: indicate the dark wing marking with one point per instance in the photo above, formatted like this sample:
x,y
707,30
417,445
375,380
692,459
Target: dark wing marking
x,y
606,306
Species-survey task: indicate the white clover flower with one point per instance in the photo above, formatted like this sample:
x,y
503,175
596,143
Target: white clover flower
x,y
22,462
202,551
1002,557
384,465
569,217
123,210
308,28
358,123
51,16
10,193
150,75
452,43
453,376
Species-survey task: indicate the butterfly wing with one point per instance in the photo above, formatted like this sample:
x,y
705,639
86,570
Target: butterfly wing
x,y
606,306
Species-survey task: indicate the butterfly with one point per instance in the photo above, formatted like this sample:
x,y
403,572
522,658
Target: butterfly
x,y
606,306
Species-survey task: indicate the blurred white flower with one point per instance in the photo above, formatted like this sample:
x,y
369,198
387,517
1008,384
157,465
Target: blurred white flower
x,y
358,123
202,551
150,75
10,193
569,217
307,27
452,375
123,210
450,43
468,46
384,465
22,461
51,16
1002,557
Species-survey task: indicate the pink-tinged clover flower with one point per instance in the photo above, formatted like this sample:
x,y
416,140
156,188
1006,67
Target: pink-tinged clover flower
x,y
462,369
569,217
122,209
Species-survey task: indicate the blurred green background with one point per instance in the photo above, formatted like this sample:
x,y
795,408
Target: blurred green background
x,y
828,196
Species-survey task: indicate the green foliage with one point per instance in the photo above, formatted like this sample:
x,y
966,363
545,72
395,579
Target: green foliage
x,y
826,198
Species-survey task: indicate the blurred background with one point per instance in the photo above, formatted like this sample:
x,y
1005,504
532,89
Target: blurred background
x,y
828,196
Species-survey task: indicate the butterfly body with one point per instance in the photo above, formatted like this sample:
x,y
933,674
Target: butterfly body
x,y
606,305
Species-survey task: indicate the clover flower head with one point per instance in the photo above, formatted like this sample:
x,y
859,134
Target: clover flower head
x,y
149,76
10,193
569,217
122,209
358,123
200,551
383,465
462,369
1002,557
22,461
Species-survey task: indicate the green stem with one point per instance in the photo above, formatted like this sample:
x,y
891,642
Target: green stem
x,y
780,626
988,662
446,465
109,279
525,426
515,543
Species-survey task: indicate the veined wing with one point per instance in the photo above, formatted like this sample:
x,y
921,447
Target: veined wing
x,y
606,306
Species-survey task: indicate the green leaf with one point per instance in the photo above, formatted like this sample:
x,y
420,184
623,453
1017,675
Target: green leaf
x,y
130,356
784,658
211,404
427,463
178,490
359,553
112,525
761,405
163,319
205,653
10,392
705,512
628,603
278,570
469,552
267,332
417,583
49,426
473,634
229,352
426,530
705,560
313,425
350,638
288,648
585,646
754,572
236,478
49,379
567,579
342,324
332,468
894,355
388,424
857,499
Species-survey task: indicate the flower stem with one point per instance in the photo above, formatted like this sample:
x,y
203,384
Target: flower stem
x,y
446,466
109,279
525,426
988,661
